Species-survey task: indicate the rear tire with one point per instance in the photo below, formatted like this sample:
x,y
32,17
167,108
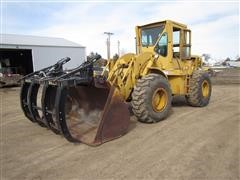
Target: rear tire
x,y
200,89
151,98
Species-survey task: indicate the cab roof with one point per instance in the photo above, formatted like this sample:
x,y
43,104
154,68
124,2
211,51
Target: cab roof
x,y
165,22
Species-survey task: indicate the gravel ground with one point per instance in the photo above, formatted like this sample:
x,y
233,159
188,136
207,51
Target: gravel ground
x,y
193,143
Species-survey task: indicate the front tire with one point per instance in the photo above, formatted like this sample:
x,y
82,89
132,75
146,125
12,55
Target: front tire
x,y
151,98
200,89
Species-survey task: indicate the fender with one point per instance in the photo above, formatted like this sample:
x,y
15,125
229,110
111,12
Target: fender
x,y
157,70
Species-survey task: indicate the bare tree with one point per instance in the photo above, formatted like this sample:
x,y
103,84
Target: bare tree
x,y
206,57
225,62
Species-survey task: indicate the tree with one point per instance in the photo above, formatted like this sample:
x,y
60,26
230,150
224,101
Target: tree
x,y
225,62
115,57
228,59
206,57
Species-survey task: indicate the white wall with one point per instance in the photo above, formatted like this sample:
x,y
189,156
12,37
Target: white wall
x,y
44,56
234,63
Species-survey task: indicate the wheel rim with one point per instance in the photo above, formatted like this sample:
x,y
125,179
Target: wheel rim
x,y
205,88
159,100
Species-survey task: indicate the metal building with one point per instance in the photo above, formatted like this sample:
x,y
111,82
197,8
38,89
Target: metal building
x,y
31,53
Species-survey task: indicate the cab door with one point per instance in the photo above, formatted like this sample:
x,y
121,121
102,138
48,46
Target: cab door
x,y
176,48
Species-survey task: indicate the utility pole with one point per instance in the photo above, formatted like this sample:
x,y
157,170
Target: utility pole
x,y
108,43
118,48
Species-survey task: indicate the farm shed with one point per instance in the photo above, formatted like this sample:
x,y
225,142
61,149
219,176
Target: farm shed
x,y
31,53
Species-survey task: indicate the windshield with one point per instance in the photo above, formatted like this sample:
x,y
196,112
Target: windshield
x,y
149,36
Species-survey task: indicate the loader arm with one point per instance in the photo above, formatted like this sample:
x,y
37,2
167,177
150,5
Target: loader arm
x,y
127,70
121,73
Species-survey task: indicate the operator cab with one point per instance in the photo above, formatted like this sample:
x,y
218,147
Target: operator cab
x,y
167,38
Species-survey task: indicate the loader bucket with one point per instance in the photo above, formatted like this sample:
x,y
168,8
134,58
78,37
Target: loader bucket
x,y
91,115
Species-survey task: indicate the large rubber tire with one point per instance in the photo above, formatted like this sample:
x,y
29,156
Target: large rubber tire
x,y
142,98
196,96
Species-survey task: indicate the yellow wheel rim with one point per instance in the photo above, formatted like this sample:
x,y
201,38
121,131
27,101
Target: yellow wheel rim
x,y
205,88
159,100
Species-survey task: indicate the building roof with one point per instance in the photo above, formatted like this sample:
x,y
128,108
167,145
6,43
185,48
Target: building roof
x,y
14,39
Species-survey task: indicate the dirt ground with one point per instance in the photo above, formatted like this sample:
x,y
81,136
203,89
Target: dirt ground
x,y
193,143
226,76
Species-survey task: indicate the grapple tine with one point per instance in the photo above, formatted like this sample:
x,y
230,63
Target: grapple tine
x,y
32,99
23,100
48,107
61,98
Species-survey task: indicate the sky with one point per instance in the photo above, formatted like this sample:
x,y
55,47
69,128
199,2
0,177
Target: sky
x,y
214,24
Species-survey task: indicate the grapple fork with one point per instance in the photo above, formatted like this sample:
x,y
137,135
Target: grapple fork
x,y
75,104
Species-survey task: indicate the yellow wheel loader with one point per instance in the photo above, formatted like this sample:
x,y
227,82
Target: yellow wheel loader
x,y
91,108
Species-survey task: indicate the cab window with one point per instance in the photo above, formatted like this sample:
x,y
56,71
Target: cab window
x,y
149,36
176,42
161,47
